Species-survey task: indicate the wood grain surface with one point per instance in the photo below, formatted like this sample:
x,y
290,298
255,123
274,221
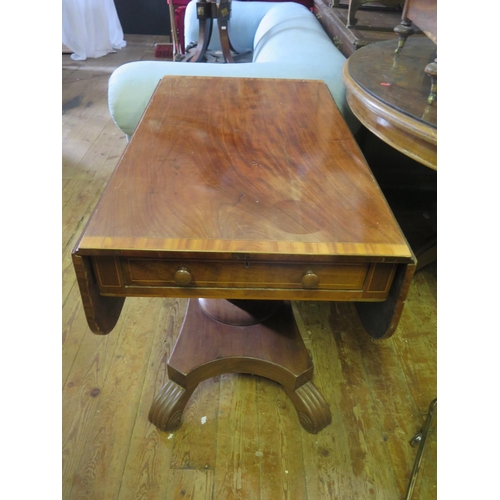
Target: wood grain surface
x,y
269,166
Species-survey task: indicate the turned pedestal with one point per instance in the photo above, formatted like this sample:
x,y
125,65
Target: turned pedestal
x,y
255,337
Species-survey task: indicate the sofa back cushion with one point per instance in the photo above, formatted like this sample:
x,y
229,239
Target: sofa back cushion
x,y
245,19
306,3
290,33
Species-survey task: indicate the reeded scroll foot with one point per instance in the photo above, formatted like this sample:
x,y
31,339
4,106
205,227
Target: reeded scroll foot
x,y
166,410
312,409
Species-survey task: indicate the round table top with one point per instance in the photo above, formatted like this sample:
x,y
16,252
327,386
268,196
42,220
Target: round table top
x,y
388,93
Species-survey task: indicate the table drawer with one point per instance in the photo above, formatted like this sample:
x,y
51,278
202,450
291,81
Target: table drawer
x,y
255,279
151,272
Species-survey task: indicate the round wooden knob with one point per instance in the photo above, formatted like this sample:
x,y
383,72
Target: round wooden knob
x,y
182,276
310,279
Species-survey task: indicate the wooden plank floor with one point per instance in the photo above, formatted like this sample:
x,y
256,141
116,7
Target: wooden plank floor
x,y
251,445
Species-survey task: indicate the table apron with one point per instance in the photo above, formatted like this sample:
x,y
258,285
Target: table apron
x,y
129,277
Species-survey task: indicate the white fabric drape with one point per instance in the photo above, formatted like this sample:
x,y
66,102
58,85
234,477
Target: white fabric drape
x,y
91,28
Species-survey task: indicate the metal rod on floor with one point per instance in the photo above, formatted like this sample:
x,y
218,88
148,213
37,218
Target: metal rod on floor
x,y
420,452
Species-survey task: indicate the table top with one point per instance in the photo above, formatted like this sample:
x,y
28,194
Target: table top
x,y
263,166
388,93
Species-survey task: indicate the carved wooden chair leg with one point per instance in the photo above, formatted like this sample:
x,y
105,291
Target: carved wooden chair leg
x,y
354,5
223,15
204,13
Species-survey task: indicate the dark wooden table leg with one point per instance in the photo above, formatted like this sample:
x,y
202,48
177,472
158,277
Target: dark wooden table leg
x,y
255,337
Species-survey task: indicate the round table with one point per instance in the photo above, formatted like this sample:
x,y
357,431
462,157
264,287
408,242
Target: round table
x,y
388,94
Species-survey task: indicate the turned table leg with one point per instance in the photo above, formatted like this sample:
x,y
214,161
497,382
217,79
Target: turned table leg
x,y
404,30
255,337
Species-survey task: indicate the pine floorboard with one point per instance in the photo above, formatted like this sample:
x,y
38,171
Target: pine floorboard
x,y
240,437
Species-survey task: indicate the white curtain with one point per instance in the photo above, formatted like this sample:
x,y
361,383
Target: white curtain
x,y
91,28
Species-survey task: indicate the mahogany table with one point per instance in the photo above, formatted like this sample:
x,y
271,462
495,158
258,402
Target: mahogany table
x,y
242,203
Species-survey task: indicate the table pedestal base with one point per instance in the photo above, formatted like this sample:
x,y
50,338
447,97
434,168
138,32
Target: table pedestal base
x,y
254,337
